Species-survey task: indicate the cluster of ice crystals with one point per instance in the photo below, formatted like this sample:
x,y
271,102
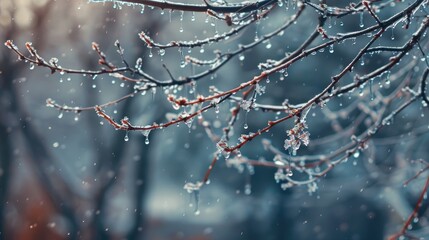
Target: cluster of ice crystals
x,y
297,135
192,187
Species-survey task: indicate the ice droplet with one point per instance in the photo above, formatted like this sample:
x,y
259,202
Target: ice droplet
x,y
161,52
247,189
126,138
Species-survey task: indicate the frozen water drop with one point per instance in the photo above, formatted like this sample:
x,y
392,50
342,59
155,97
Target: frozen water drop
x,y
247,189
161,52
126,138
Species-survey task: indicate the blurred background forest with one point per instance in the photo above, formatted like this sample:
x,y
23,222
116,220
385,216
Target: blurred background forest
x,y
68,176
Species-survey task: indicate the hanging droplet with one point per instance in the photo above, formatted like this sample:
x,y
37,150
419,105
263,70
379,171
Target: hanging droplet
x,y
217,109
362,61
161,52
285,73
387,81
361,20
267,80
289,172
197,202
126,138
60,115
241,57
150,52
31,66
146,141
245,126
331,48
193,17
181,21
247,189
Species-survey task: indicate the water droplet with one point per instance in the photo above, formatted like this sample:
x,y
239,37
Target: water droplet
x,y
146,141
356,154
245,126
285,73
241,57
217,109
361,20
31,66
247,189
126,138
60,115
161,52
331,48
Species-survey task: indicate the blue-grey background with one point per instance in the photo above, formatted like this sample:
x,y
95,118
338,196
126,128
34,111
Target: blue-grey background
x,y
74,178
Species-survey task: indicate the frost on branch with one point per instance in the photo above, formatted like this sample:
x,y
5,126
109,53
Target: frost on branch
x,y
192,187
297,135
258,75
